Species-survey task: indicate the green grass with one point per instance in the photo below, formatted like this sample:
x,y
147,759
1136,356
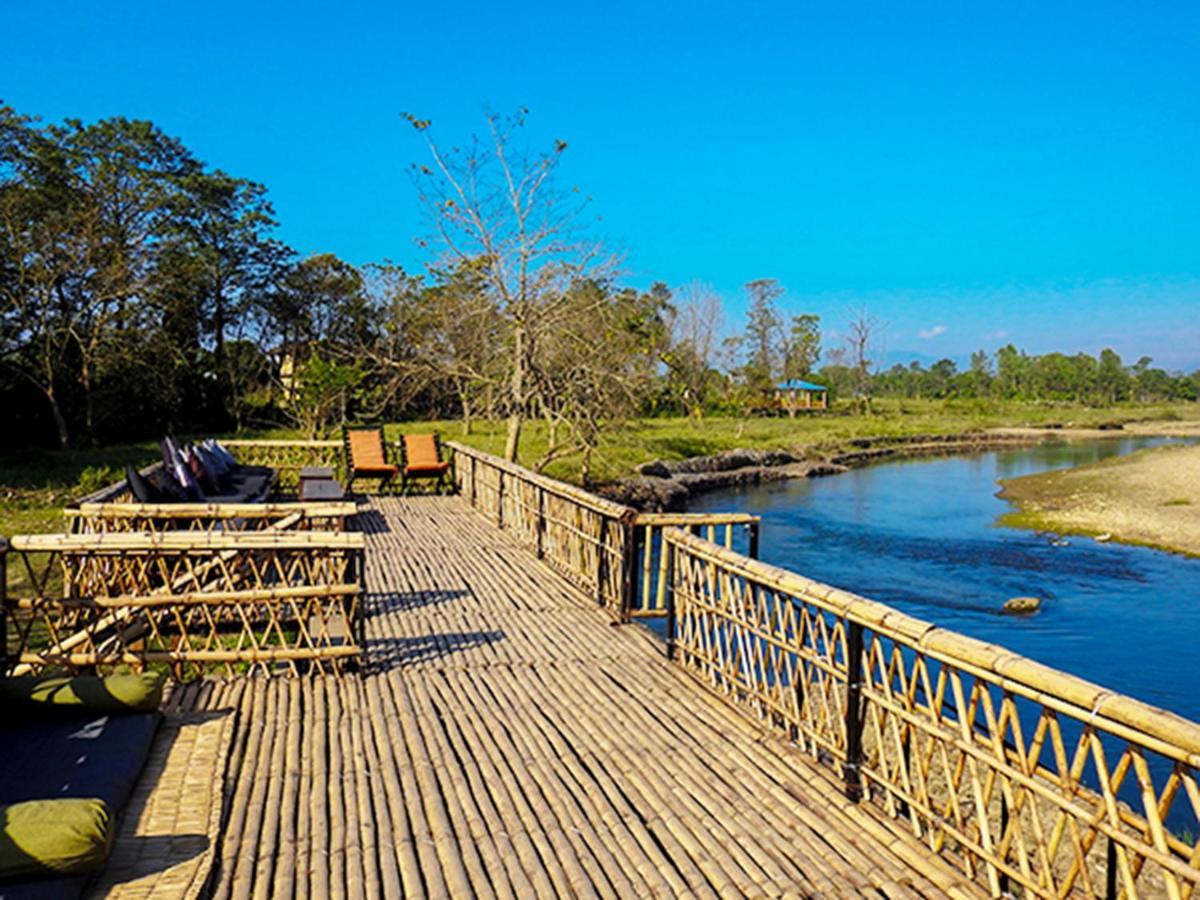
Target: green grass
x,y
36,484
641,440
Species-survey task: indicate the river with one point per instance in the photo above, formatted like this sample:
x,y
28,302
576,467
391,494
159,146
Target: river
x,y
921,535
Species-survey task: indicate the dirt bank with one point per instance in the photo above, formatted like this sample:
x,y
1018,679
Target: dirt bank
x,y
667,486
1151,497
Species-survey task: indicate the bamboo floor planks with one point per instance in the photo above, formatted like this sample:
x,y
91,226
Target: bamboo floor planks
x,y
506,740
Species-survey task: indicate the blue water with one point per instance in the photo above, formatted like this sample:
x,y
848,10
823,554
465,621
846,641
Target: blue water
x,y
921,535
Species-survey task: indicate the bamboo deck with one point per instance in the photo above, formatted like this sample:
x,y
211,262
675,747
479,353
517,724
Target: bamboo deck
x,y
507,740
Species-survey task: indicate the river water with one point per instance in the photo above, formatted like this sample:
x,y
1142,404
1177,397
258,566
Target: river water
x,y
921,535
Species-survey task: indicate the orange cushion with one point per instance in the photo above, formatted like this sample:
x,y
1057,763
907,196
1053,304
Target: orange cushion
x,y
366,450
420,451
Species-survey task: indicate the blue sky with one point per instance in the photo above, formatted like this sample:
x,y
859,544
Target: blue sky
x,y
971,174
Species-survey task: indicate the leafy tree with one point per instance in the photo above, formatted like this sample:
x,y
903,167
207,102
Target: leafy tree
x,y
762,339
803,347
1112,381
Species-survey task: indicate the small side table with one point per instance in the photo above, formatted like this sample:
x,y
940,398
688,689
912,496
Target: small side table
x,y
318,483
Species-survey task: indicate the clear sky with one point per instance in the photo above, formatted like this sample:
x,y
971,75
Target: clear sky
x,y
971,173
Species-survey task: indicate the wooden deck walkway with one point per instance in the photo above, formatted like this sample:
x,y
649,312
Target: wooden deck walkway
x,y
507,740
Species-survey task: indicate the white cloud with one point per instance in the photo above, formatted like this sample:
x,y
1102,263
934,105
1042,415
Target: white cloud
x,y
928,334
996,335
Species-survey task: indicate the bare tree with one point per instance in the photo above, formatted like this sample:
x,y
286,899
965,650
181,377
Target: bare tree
x,y
862,333
694,345
494,203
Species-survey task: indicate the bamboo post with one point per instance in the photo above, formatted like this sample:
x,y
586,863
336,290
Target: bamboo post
x,y
499,499
1110,871
646,541
629,559
1003,834
753,548
852,774
601,556
3,604
666,591
661,592
541,523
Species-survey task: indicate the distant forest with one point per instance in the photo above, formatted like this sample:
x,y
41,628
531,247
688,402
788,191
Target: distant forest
x,y
143,291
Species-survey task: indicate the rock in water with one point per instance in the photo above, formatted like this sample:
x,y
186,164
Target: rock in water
x,y
1022,605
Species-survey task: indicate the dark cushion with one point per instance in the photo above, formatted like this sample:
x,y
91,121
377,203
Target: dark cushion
x,y
168,488
166,447
184,477
218,473
207,483
58,836
219,449
143,491
222,464
76,755
245,487
112,693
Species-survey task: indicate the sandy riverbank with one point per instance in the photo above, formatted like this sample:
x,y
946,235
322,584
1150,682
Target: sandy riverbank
x,y
1151,497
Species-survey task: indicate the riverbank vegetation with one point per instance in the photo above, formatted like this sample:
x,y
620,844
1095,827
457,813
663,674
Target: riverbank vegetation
x,y
144,291
1151,497
35,483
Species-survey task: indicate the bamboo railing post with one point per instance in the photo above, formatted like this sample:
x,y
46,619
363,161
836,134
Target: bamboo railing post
x,y
3,604
1110,871
666,591
541,522
1003,833
601,558
629,559
474,466
852,775
662,587
500,499
752,550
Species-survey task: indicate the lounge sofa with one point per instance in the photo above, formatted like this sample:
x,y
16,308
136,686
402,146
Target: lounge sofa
x,y
156,483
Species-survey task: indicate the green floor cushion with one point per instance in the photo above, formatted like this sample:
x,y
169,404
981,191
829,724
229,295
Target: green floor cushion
x,y
53,837
108,694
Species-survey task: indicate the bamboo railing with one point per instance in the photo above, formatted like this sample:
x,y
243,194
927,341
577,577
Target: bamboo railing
x,y
606,548
1027,778
288,457
255,601
587,539
726,529
228,517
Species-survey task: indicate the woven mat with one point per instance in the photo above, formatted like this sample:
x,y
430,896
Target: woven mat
x,y
168,837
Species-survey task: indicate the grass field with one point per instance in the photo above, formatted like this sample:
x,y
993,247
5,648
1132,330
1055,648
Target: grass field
x,y
36,484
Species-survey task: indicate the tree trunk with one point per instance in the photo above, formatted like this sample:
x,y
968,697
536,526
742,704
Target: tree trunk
x,y
60,421
512,441
516,414
89,404
466,412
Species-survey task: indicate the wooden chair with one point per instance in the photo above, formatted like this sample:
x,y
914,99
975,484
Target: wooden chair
x,y
421,458
366,457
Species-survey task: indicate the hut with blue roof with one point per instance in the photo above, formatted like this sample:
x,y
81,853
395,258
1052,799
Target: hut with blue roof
x,y
797,394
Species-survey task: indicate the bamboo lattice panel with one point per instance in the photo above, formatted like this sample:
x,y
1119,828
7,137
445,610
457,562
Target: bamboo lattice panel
x,y
195,602
288,457
1021,775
